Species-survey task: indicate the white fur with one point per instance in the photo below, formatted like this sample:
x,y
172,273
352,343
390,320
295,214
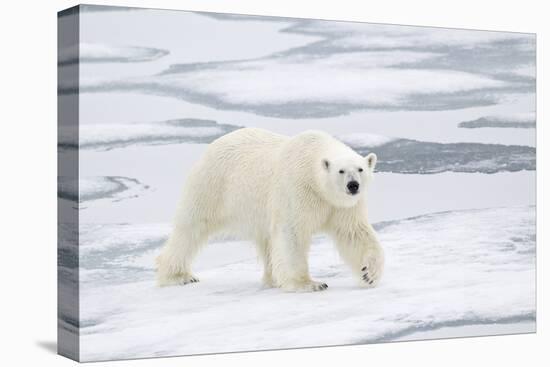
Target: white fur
x,y
277,191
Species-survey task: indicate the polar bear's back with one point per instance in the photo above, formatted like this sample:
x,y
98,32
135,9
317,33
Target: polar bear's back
x,y
247,139
247,152
233,178
255,154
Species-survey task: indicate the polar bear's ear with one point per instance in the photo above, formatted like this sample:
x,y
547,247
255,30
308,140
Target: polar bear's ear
x,y
326,164
371,161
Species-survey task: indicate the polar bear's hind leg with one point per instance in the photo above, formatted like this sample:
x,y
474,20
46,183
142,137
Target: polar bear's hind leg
x,y
174,262
264,252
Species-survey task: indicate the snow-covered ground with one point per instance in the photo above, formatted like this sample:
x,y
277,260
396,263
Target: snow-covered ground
x,y
100,53
444,270
319,78
454,206
114,135
104,189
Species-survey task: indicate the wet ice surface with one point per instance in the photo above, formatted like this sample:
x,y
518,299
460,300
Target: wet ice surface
x,y
152,98
411,156
458,69
103,53
438,275
109,189
525,121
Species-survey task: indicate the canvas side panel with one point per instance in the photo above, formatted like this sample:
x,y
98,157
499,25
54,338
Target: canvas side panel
x,y
67,198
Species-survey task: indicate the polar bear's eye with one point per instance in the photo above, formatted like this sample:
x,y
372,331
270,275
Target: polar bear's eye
x,y
360,169
341,172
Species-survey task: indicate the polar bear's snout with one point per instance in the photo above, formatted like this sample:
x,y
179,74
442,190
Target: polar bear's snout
x,y
353,187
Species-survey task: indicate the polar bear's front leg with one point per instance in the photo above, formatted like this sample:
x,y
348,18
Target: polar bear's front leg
x,y
289,253
360,249
373,266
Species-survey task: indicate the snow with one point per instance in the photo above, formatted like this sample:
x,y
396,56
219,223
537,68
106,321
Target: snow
x,y
190,37
114,135
437,275
529,70
100,189
387,36
96,52
317,73
295,80
433,126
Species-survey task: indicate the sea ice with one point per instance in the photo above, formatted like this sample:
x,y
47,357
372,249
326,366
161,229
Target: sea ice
x,y
115,135
513,120
473,267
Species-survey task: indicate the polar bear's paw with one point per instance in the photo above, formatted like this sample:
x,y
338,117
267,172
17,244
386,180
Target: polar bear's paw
x,y
177,279
367,277
309,286
371,274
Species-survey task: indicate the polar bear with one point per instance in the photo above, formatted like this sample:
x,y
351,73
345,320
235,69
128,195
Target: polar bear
x,y
276,191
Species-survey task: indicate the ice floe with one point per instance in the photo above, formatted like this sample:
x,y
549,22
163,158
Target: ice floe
x,y
389,36
99,188
300,86
349,67
115,135
517,120
412,156
101,53
473,267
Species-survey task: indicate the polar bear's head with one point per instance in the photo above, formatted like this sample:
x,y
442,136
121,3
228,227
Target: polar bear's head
x,y
346,178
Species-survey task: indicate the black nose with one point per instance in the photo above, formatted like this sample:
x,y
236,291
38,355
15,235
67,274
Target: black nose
x,y
353,187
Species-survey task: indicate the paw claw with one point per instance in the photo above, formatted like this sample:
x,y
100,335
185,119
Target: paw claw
x,y
310,286
177,279
372,267
320,287
368,277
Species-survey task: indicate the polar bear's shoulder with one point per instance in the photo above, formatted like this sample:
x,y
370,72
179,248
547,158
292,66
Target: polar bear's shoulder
x,y
316,135
322,141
